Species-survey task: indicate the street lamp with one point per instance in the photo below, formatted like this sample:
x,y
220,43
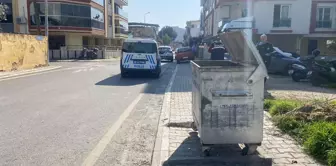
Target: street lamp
x,y
46,25
145,16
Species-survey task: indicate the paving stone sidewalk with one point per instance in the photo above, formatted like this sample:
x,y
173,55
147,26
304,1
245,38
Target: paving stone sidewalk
x,y
184,143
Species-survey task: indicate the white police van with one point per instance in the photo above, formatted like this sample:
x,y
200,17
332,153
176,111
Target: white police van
x,y
140,55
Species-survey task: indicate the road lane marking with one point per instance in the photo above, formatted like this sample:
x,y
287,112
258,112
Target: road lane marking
x,y
100,147
91,68
77,71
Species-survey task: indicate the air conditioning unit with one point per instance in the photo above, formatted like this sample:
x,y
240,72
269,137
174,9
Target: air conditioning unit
x,y
21,20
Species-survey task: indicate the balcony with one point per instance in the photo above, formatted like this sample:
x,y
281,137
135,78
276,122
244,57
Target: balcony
x,y
120,32
282,23
121,2
120,12
325,24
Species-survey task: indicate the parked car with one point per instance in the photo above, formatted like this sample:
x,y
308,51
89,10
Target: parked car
x,y
166,53
184,54
282,63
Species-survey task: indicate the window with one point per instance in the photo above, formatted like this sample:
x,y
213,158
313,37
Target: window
x,y
281,16
72,15
323,17
244,13
110,20
140,47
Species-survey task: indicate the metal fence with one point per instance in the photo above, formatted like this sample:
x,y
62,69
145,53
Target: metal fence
x,y
65,54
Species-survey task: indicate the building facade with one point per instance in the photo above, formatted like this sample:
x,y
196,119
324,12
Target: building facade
x,y
72,23
289,25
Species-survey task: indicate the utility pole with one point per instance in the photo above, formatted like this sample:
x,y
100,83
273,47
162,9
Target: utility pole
x,y
145,16
46,25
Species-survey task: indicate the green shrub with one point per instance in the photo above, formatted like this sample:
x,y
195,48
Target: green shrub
x,y
332,157
280,107
268,104
288,124
319,139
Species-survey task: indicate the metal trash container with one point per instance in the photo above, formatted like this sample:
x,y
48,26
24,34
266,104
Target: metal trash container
x,y
227,96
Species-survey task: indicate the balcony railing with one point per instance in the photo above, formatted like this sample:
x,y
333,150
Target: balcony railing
x,y
120,30
121,12
323,24
282,23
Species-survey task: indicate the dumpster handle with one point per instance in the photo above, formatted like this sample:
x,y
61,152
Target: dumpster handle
x,y
230,93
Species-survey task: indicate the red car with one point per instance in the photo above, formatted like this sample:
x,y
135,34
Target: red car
x,y
184,54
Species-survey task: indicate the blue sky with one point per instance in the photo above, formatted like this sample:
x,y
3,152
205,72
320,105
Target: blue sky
x,y
163,12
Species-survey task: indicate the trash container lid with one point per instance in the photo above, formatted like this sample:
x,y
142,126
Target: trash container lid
x,y
240,48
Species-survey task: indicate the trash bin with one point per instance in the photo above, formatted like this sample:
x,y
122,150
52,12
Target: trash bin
x,y
227,96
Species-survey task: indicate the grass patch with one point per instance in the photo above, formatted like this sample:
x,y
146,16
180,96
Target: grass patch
x,y
279,107
313,124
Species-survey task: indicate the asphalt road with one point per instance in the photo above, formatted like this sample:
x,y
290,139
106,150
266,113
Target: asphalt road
x,y
59,117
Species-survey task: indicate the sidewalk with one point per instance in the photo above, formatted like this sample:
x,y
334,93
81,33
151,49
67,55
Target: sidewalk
x,y
181,145
11,74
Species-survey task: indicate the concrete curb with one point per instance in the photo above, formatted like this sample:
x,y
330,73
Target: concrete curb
x,y
28,72
161,147
95,60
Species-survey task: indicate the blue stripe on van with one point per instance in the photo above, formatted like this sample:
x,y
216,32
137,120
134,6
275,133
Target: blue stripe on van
x,y
153,59
125,58
148,58
129,57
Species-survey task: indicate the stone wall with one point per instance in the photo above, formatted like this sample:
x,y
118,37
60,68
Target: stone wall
x,y
19,51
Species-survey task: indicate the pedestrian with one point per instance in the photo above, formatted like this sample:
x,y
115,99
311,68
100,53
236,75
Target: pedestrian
x,y
218,51
265,49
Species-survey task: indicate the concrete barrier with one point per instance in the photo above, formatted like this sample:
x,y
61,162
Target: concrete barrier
x,y
20,51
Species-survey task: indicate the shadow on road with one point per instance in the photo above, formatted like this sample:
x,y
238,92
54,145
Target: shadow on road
x,y
189,153
156,86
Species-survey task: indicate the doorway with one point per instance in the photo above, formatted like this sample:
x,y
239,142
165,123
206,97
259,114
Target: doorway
x,y
312,45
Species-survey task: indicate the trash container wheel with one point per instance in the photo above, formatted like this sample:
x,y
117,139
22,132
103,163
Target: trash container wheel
x,y
249,149
206,151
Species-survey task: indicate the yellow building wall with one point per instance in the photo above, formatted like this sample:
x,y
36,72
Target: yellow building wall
x,y
74,41
19,51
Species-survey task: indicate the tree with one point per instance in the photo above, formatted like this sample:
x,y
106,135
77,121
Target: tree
x,y
167,30
3,12
331,45
166,39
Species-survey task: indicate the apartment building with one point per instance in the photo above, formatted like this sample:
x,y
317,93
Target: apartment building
x,y
322,29
193,28
72,23
292,25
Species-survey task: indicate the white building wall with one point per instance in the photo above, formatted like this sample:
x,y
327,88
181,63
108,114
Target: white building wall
x,y
299,12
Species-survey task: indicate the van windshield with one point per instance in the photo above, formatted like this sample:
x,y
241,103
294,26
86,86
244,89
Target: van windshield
x,y
140,47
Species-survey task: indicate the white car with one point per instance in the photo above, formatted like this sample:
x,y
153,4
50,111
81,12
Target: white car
x,y
166,53
140,55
